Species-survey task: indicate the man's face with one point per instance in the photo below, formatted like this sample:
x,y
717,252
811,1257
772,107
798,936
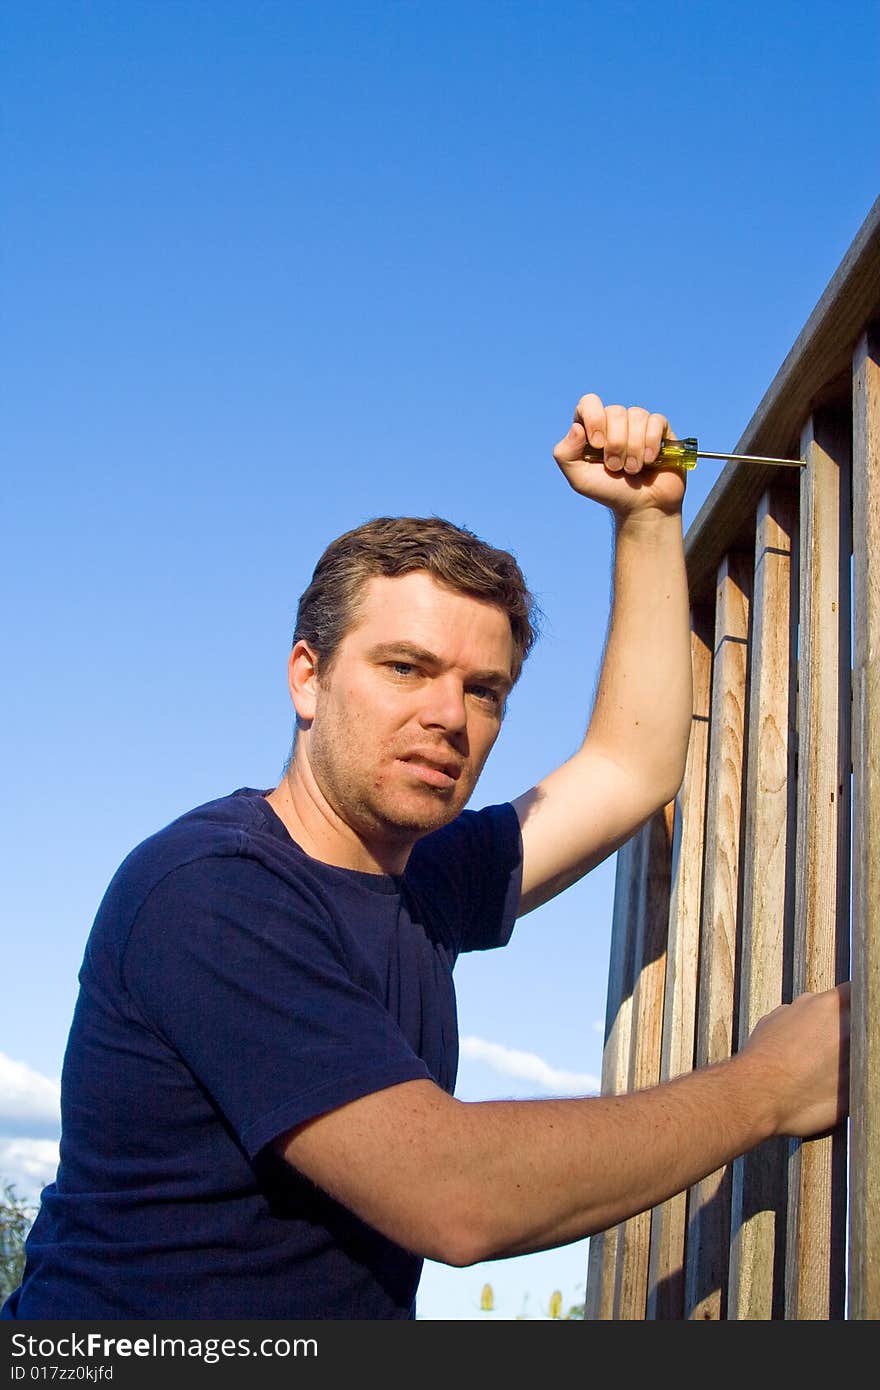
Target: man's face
x,y
409,710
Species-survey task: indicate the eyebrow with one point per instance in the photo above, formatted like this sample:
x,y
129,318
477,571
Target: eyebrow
x,y
385,651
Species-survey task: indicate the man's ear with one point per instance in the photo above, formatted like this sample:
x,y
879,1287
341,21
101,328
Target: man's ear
x,y
302,679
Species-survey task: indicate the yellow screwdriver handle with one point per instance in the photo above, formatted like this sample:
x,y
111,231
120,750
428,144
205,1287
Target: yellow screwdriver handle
x,y
674,453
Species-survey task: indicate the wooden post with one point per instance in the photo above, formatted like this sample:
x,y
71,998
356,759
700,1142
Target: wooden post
x,y
644,1067
669,1220
815,1260
709,1200
758,1204
864,1224
603,1247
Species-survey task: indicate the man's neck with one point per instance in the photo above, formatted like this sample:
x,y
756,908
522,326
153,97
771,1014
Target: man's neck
x,y
322,834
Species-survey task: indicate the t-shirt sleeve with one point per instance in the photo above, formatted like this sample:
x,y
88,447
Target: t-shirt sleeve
x,y
253,992
470,873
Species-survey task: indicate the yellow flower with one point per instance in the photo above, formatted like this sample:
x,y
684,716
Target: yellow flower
x,y
555,1304
487,1299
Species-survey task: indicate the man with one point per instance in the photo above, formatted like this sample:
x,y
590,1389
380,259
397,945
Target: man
x,y
257,1099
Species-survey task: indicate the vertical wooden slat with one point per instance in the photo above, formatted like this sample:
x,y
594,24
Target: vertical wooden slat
x,y
644,1068
815,1273
602,1255
758,1197
669,1220
708,1201
864,1223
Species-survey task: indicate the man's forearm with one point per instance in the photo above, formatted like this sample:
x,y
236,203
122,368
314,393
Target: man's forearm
x,y
642,712
470,1181
632,759
557,1171
463,1181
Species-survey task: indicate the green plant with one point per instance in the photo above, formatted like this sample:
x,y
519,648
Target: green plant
x,y
16,1218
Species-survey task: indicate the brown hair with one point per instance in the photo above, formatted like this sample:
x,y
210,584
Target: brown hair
x,y
392,546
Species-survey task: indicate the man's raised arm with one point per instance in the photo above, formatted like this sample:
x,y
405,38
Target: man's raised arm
x,y
632,759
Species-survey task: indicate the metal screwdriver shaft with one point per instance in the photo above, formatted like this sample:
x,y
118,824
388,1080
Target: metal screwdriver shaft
x,y
683,453
751,458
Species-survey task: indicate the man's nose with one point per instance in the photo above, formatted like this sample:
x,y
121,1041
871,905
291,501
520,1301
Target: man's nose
x,y
444,705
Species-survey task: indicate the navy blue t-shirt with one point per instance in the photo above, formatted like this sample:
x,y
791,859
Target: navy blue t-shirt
x,y
233,987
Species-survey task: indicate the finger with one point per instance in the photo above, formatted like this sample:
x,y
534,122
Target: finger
x,y
571,447
656,429
591,413
616,434
636,424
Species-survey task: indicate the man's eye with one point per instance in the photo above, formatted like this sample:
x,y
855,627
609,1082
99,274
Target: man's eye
x,y
486,694
401,668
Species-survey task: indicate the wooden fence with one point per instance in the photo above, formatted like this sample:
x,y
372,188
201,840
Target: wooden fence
x,y
763,878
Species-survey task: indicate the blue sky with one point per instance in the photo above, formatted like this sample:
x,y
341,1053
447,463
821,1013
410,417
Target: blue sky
x,y
271,268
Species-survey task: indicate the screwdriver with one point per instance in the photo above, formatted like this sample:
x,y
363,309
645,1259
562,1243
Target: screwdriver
x,y
683,453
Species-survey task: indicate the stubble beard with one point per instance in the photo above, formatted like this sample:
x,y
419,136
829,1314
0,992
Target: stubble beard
x,y
392,814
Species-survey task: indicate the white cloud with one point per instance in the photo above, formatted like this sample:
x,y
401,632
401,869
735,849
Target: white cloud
x,y
30,1103
28,1164
526,1066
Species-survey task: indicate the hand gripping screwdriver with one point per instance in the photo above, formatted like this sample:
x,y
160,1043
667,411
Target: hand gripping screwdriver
x,y
683,453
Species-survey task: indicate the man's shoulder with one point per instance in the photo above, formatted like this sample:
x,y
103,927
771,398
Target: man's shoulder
x,y
213,827
221,829
468,845
476,829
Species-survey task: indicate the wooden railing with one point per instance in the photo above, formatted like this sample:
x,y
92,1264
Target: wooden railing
x,y
763,878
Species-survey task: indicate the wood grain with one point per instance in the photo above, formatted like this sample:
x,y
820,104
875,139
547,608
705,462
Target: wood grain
x,y
644,1063
669,1220
815,1273
602,1254
864,1205
758,1201
709,1201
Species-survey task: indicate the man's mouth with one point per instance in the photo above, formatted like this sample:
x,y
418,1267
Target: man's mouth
x,y
437,772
